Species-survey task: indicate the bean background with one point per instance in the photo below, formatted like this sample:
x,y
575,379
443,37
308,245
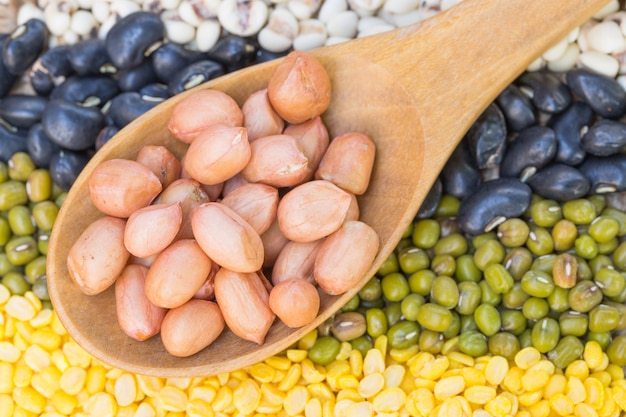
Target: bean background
x,y
504,297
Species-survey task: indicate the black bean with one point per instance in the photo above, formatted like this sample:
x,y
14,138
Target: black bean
x,y
71,125
486,138
193,75
133,38
604,94
155,90
517,108
90,57
263,55
492,203
546,91
126,107
105,134
7,79
234,52
133,79
606,137
559,182
616,200
24,46
51,69
65,166
569,126
87,89
12,140
22,110
532,149
606,174
171,58
460,176
40,147
431,202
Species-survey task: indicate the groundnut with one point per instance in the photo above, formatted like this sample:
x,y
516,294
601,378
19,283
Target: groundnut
x,y
295,302
201,110
296,260
313,139
217,153
255,203
190,194
232,183
161,161
191,327
227,238
348,162
244,302
273,242
98,256
207,291
312,210
177,274
354,211
118,187
259,117
147,262
345,256
151,229
300,88
137,316
214,191
276,160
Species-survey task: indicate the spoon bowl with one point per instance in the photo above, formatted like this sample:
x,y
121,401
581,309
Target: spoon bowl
x,y
415,91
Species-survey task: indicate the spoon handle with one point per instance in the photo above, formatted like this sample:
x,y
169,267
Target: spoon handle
x,y
495,39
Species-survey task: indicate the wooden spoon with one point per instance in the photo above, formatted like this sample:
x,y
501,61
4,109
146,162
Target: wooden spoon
x,y
415,91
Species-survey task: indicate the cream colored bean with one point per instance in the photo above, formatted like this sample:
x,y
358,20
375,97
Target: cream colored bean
x,y
82,22
345,257
601,63
312,210
244,302
343,24
227,238
330,8
177,274
303,9
98,256
207,35
255,203
259,117
151,229
176,29
137,316
312,35
566,61
606,37
243,19
296,260
281,29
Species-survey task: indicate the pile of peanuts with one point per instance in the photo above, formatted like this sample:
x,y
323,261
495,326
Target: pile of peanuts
x,y
186,241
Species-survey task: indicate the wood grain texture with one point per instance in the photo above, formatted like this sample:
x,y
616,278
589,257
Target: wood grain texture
x,y
415,91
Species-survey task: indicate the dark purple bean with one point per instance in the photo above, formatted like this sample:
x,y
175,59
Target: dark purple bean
x,y
517,108
155,91
133,38
134,78
87,89
606,137
606,174
12,140
171,58
263,55
431,202
616,200
105,135
7,79
559,182
65,166
604,94
546,91
24,46
90,57
126,107
71,125
193,75
460,176
486,138
51,69
40,147
234,52
532,149
22,110
492,203
569,126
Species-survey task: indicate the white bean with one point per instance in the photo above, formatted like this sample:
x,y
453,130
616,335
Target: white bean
x,y
243,19
611,7
573,35
124,7
82,22
400,6
312,35
374,30
107,25
606,37
599,62
365,7
621,80
207,35
100,10
334,40
303,9
446,4
536,65
280,31
330,8
566,61
176,29
58,22
85,4
188,14
29,11
409,18
343,24
370,21
583,42
556,50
